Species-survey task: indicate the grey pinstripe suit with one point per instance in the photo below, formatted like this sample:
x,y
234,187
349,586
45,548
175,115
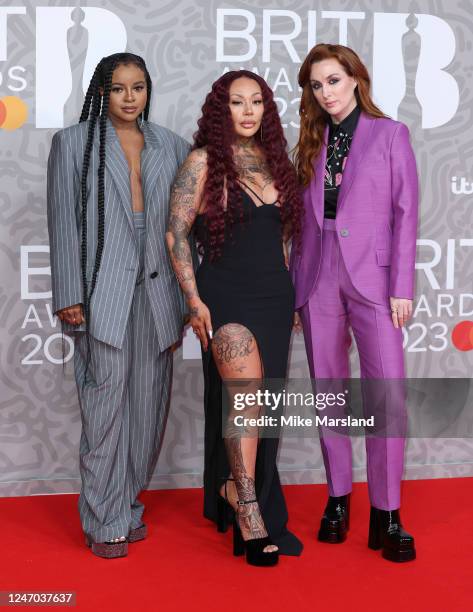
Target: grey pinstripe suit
x,y
136,314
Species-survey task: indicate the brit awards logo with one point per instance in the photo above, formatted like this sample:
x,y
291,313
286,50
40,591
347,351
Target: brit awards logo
x,y
411,55
13,109
69,43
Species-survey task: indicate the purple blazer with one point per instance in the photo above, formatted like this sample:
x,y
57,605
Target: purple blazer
x,y
377,215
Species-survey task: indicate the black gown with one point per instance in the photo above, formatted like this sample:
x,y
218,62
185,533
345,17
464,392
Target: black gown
x,y
249,284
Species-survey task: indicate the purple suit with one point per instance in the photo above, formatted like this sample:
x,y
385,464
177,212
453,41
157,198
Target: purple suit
x,y
345,273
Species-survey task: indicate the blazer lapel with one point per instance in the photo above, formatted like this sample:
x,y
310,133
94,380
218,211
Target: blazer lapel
x,y
317,183
117,165
359,143
152,158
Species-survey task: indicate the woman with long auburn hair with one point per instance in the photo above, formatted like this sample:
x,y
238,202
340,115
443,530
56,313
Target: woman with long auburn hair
x,y
354,268
240,193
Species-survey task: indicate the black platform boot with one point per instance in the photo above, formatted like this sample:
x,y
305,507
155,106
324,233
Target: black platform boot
x,y
386,532
336,520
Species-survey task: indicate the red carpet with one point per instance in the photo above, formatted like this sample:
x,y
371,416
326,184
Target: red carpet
x,y
186,565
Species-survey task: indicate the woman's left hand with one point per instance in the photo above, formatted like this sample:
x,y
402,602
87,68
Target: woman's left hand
x,y
297,324
401,311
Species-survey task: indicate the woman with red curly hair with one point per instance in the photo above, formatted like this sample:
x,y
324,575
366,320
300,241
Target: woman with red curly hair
x,y
355,269
240,192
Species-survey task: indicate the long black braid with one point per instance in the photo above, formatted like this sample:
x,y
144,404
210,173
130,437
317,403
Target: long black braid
x,y
95,107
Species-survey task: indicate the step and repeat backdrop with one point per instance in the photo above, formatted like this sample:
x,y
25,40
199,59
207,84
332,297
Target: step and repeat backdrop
x,y
420,58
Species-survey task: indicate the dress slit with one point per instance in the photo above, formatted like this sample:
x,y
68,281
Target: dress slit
x,y
249,285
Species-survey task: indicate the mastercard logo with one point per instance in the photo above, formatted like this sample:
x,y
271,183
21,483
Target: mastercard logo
x,y
13,113
462,336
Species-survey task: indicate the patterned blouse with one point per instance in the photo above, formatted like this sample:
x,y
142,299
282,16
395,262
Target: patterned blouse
x,y
339,142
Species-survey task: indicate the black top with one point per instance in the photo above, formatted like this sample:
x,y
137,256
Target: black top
x,y
339,142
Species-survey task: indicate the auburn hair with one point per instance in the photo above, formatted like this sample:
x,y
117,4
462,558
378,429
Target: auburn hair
x,y
217,134
313,118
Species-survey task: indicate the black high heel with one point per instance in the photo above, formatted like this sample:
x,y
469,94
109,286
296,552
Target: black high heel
x,y
225,510
336,520
386,532
254,548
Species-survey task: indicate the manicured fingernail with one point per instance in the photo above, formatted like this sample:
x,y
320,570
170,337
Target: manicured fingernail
x,y
210,334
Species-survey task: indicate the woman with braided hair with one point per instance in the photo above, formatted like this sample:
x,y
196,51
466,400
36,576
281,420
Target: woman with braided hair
x,y
109,181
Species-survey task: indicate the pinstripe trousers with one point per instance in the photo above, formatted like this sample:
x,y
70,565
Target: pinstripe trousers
x,y
124,405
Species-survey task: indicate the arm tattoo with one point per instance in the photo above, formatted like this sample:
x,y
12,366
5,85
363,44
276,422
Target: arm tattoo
x,y
183,211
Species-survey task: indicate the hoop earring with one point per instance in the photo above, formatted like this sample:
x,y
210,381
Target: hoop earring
x,y
141,120
261,132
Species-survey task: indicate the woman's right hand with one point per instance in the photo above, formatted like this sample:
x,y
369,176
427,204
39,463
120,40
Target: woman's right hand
x,y
74,315
200,321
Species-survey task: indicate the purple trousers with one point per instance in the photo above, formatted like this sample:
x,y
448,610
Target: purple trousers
x,y
335,306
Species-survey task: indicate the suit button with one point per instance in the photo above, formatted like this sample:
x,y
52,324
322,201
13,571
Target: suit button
x,y
344,233
153,274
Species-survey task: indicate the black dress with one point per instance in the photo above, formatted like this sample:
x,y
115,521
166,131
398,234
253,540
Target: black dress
x,y
249,284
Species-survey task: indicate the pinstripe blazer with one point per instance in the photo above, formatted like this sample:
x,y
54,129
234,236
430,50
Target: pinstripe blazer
x,y
110,306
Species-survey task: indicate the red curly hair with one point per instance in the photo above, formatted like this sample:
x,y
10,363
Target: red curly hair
x,y
217,134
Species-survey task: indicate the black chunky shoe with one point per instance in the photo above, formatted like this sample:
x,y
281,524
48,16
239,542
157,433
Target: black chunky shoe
x,y
335,521
386,532
254,548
